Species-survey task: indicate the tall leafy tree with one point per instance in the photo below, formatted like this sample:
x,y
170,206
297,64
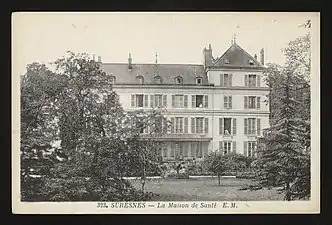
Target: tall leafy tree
x,y
285,148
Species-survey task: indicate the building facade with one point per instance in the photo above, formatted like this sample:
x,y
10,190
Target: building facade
x,y
219,105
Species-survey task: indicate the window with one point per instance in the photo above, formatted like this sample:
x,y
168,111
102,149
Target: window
x,y
226,80
158,100
226,61
199,101
157,80
179,125
251,62
140,79
199,125
199,80
227,126
251,148
252,102
177,101
178,80
112,79
226,147
138,100
227,102
251,126
252,80
199,150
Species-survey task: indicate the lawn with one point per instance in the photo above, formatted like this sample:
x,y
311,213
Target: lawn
x,y
205,189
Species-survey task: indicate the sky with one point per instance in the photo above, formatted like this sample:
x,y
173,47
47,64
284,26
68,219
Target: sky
x,y
176,37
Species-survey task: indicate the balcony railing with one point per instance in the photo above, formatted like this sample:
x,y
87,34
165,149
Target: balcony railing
x,y
182,137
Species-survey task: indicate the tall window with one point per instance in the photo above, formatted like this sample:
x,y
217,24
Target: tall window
x,y
227,126
252,126
227,102
139,100
199,150
226,80
199,126
158,100
252,80
227,147
200,101
250,148
179,125
252,102
177,101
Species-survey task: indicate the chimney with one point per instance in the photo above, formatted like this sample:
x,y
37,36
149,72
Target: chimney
x,y
130,62
255,56
99,59
262,56
93,57
207,56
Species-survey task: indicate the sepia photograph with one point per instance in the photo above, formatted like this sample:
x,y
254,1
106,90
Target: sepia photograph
x,y
158,112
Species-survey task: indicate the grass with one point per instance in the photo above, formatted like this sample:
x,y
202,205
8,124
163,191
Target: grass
x,y
205,189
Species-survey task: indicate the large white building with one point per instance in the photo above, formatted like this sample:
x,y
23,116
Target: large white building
x,y
219,105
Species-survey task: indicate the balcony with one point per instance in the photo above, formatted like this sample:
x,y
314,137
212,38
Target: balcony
x,y
181,137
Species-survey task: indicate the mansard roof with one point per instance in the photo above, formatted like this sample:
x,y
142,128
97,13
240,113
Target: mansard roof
x,y
237,57
167,73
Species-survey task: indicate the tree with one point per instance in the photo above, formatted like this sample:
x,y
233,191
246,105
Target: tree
x,y
97,137
39,88
218,163
285,147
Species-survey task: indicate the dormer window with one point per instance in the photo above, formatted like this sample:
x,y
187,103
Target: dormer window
x,y
112,79
199,80
251,62
157,80
178,80
226,61
140,79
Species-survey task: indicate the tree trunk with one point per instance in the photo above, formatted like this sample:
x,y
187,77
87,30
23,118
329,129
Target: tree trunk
x,y
219,178
143,179
287,194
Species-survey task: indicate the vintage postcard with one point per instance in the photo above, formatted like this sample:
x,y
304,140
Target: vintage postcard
x,y
165,113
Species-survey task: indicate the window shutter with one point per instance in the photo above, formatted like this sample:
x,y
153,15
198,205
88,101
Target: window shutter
x,y
254,126
222,80
245,102
258,102
193,101
172,125
164,126
234,126
234,146
221,145
258,80
152,101
132,100
206,101
230,80
165,101
230,102
221,126
146,101
245,126
225,102
206,125
246,77
185,101
258,126
245,148
192,125
186,125
173,101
